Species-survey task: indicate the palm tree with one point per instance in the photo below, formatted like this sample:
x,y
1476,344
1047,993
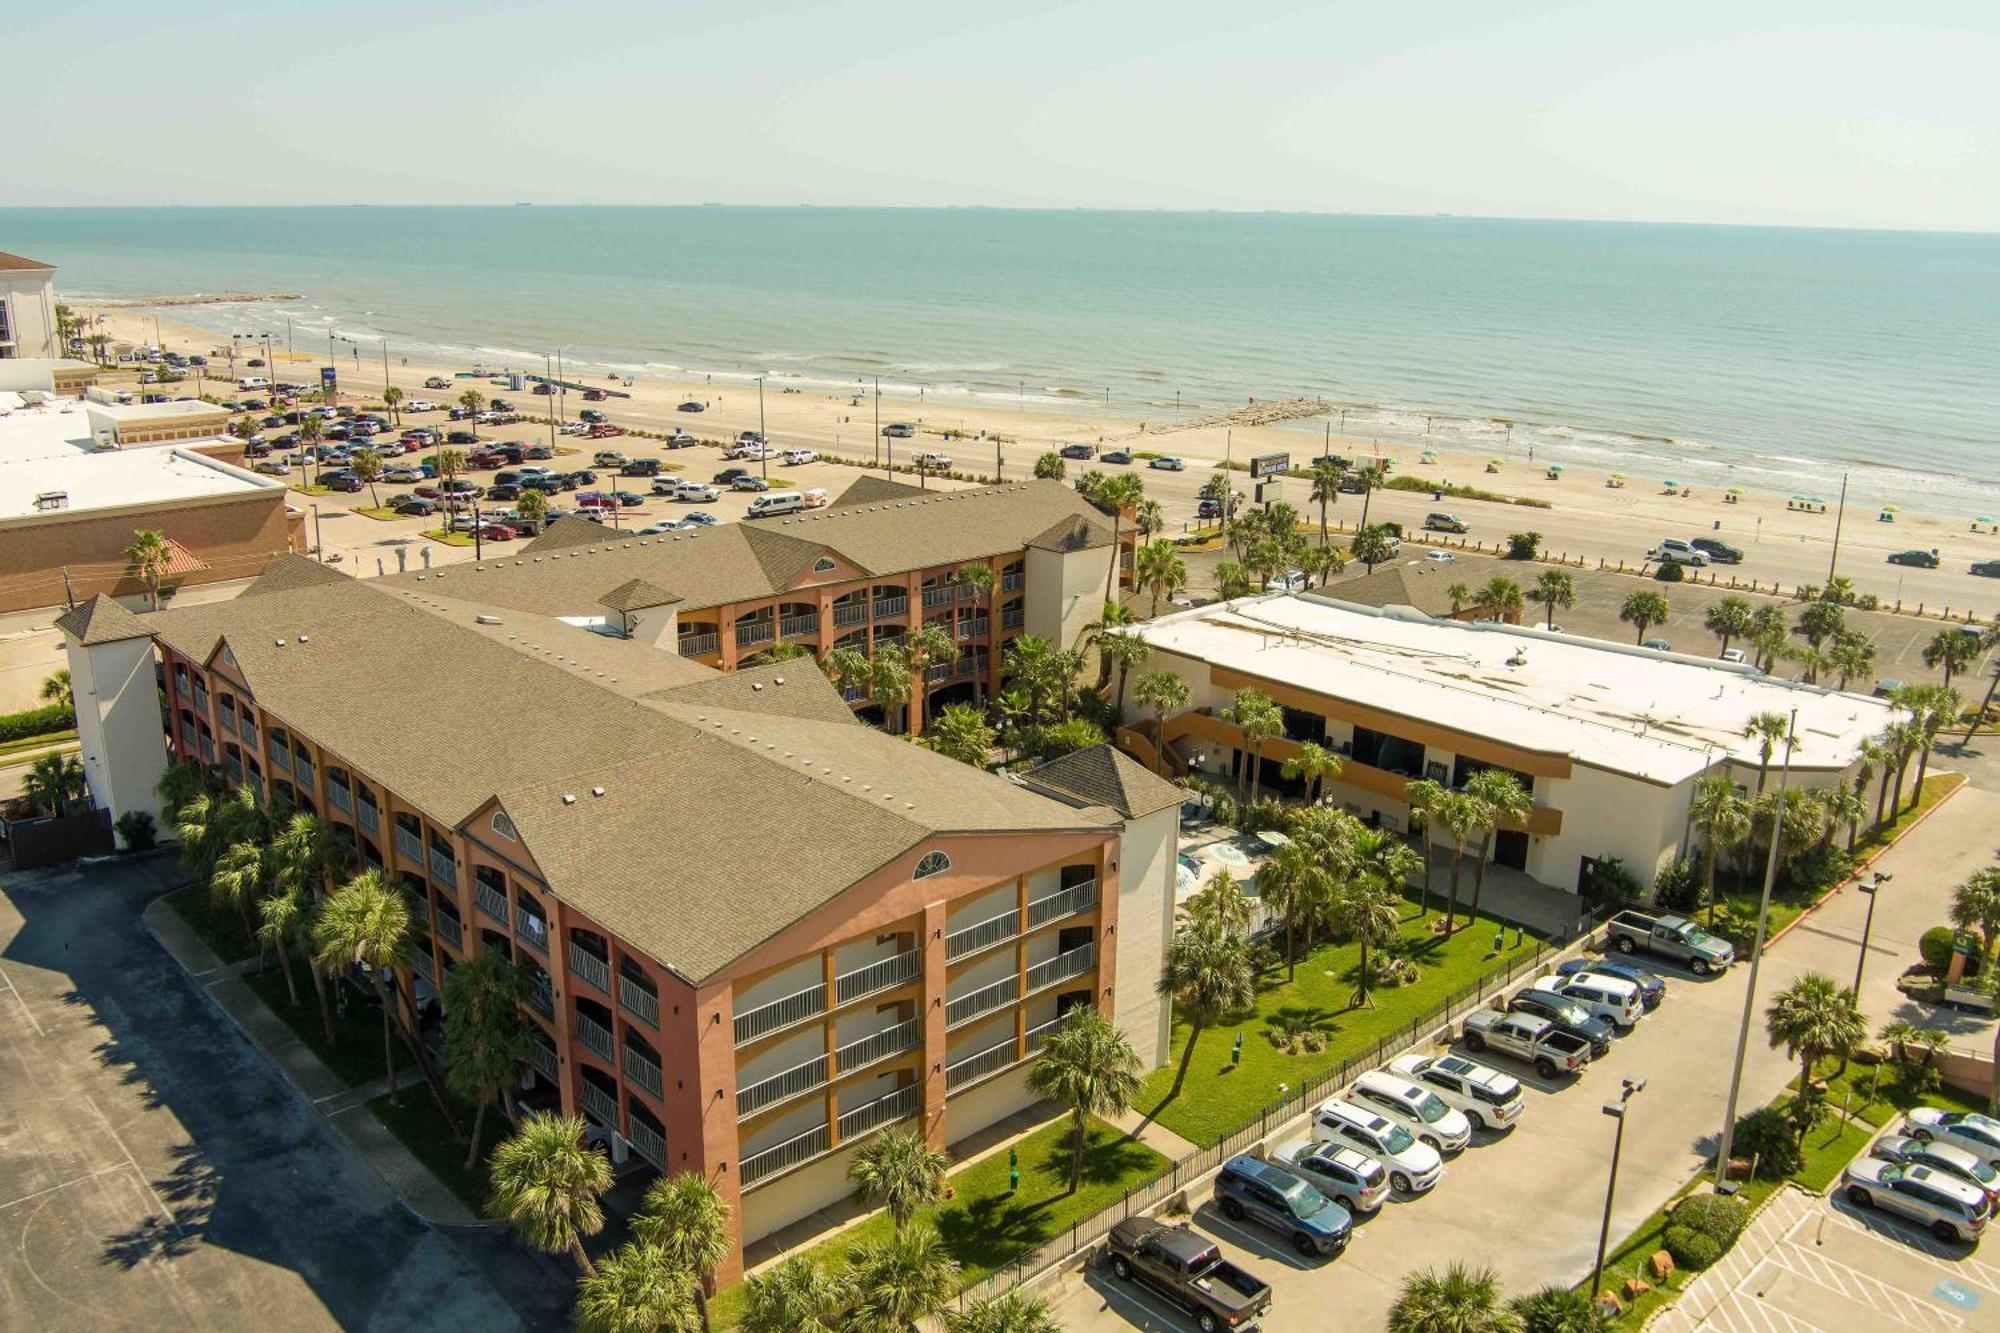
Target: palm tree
x,y
1325,491
1207,973
366,464
1115,496
1371,546
1723,817
1931,706
1366,912
1231,579
1989,639
1088,1066
1644,609
1728,619
1122,652
1975,905
1815,1018
1557,1309
907,1277
1316,764
1163,692
1259,719
1150,519
1555,590
1501,598
637,1290
1904,736
923,648
1160,570
1113,618
890,683
51,782
1952,649
1505,801
1769,730
1459,1300
533,506
150,555
1011,1312
278,918
1423,796
367,923
1851,655
1050,467
1460,816
241,877
472,400
961,733
797,1296
1840,805
56,689
486,1040
902,1172
687,1220
1222,903
546,1182
1320,564
392,397
310,854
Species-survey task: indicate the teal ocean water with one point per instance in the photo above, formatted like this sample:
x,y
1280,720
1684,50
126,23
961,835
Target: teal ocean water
x,y
1770,357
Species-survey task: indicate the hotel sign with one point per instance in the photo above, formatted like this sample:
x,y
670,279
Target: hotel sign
x,y
1269,465
326,378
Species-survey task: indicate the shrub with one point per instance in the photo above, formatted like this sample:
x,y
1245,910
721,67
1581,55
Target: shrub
x,y
1936,948
1766,1136
1692,1249
37,722
1720,1217
1387,971
1678,887
1523,545
1264,813
1815,870
1556,1310
135,829
1612,883
1670,571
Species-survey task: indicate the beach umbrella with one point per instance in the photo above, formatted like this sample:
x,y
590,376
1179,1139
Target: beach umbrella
x,y
1430,456
1495,461
1672,482
1734,490
1982,518
1558,467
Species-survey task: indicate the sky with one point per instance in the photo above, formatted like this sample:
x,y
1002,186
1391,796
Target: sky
x,y
1792,112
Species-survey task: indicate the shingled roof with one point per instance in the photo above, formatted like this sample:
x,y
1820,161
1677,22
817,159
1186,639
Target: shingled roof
x,y
1105,775
11,263
871,489
100,620
292,573
636,595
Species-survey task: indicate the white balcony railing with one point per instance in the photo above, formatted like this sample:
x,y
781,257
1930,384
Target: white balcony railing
x,y
1063,902
800,1078
449,931
851,986
891,606
898,1105
983,935
850,613
409,846
445,870
648,1142
800,625
590,967
532,931
697,645
991,1060
1039,1034
368,816
784,1156
594,1035
793,1008
600,1105
905,1036
542,1060
340,798
643,1070
1062,967
982,1001
639,1002
757,631
491,901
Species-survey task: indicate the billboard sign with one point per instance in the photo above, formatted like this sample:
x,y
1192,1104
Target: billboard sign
x,y
1269,465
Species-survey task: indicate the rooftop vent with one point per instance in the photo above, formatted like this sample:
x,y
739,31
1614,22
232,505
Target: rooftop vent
x,y
483,619
568,799
302,638
597,791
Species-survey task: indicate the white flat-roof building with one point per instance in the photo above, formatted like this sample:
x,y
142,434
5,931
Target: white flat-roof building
x,y
1609,738
27,308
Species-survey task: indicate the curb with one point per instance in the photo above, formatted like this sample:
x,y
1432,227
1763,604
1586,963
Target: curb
x,y
220,968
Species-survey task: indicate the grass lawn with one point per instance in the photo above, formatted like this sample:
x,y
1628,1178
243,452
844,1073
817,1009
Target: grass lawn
x,y
220,929
381,513
1217,1098
314,489
423,1131
41,742
356,1053
450,538
984,1226
1937,786
1874,1093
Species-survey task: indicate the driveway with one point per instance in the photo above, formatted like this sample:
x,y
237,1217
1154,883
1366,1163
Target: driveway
x,y
1529,1202
155,1172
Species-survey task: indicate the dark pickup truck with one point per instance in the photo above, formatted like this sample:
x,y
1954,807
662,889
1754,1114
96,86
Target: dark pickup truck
x,y
1187,1269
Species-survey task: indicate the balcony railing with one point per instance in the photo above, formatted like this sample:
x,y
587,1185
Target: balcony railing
x,y
542,1060
982,1001
983,935
898,1105
1013,582
639,1002
340,798
541,998
905,1036
974,628
229,720
594,1035
366,815
1062,967
891,606
966,667
851,986
938,674
1011,618
491,901
695,645
782,1157
1039,1034
305,772
757,631
1063,902
420,909
800,1078
425,967
531,930
937,596
600,1105
188,740
281,758
853,694
850,613
448,930
590,967
200,700
445,871
643,1070
409,846
648,1142
994,1058
799,625
793,1008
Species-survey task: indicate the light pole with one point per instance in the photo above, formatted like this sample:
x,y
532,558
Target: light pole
x,y
1723,1184
1839,517
1616,1110
1871,888
763,440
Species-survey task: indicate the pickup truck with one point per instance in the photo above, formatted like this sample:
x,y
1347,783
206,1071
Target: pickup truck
x,y
1673,937
1188,1270
1531,1040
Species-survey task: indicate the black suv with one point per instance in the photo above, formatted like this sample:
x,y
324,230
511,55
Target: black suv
x,y
1718,551
728,475
1567,1016
1248,1189
641,467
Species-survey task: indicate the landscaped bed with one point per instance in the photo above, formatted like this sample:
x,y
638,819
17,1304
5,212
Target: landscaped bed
x,y
219,928
423,1131
356,1053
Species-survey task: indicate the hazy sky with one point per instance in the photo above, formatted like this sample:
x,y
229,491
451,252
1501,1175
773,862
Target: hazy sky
x,y
1821,112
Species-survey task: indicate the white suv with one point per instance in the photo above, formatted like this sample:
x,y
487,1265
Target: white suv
x,y
1416,1108
1414,1168
1977,1134
1950,1208
1674,551
1489,1098
1609,998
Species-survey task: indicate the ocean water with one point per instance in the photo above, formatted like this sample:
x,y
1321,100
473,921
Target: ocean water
x,y
1770,357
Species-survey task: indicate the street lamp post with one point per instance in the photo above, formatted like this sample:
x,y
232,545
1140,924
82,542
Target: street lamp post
x,y
1616,1110
1871,888
763,440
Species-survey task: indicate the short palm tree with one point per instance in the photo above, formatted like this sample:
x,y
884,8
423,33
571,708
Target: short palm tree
x,y
1506,801
1316,764
392,397
1723,816
56,689
1769,730
637,1290
1815,1018
1122,652
1162,692
961,733
1012,1312
1975,905
797,1296
546,1182
1260,720
1554,591
685,1217
367,923
1459,1300
1207,973
1556,1309
900,1171
1222,903
1952,650
1366,911
278,918
486,1040
1088,1066
1643,610
1501,598
150,555
1160,571
241,877
1728,619
899,1280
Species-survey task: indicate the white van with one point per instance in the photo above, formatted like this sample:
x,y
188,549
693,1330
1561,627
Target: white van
x,y
775,503
253,382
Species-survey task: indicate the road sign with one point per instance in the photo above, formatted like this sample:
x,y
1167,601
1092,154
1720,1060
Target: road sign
x,y
1269,465
326,378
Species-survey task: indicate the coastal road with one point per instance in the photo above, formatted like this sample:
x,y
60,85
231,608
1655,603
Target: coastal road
x,y
1529,1202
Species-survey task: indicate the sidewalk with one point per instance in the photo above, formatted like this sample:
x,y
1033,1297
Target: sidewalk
x,y
344,1107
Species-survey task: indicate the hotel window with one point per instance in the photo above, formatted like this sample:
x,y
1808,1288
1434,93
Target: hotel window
x,y
1303,726
933,863
1392,754
504,826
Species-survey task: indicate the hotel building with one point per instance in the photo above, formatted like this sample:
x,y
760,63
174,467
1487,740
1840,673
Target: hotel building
x,y
27,308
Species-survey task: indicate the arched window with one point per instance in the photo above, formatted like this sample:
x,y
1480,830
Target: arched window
x,y
824,565
933,863
504,826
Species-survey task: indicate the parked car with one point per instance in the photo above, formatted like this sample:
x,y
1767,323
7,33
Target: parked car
x,y
1977,1134
932,461
680,439
1341,1172
272,467
1186,1269
700,518
437,382
1674,551
796,457
665,525
1078,451
416,506
1673,937
1414,1167
503,491
1616,1002
1531,1040
1948,1158
696,492
1290,581
1949,1208
592,415
899,430
1167,463
728,475
341,481
749,481
1248,1189
691,406
1735,656
1414,1107
1444,523
1987,569
1918,559
610,458
641,467
1442,558
1652,986
1718,551
1486,1097
1567,1015
1115,456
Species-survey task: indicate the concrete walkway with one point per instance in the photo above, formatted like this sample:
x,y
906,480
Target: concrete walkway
x,y
343,1106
